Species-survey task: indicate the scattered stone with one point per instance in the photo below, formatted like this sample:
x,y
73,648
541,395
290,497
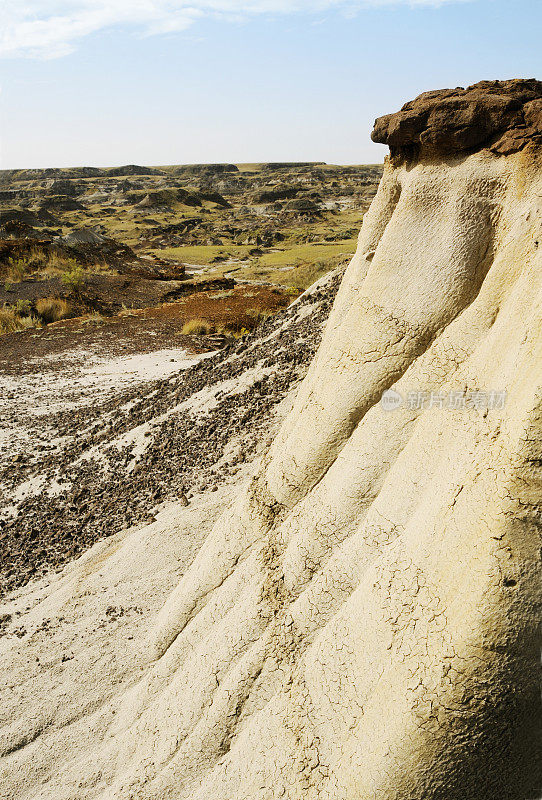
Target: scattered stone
x,y
99,496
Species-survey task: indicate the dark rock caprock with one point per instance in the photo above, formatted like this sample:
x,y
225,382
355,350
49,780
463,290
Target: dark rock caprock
x,y
502,115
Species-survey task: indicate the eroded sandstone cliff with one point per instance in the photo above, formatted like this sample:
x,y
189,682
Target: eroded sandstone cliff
x,y
362,621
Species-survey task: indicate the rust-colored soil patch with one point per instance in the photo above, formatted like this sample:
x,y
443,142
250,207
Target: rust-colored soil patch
x,y
236,308
139,330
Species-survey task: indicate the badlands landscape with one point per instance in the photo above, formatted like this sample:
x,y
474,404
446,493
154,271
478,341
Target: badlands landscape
x,y
110,292
292,553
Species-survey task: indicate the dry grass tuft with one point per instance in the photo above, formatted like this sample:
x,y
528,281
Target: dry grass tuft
x,y
94,318
197,327
11,320
127,312
52,309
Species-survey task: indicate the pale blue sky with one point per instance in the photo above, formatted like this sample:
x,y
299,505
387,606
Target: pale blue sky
x,y
152,82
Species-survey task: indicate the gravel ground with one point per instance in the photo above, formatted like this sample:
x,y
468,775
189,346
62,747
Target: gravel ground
x,y
99,456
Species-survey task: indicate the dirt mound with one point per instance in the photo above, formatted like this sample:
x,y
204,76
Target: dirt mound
x,y
166,197
83,236
22,230
280,193
89,247
60,203
215,197
102,293
131,169
205,169
8,175
273,166
65,187
35,219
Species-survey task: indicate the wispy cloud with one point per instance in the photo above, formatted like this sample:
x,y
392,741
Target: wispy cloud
x,y
52,28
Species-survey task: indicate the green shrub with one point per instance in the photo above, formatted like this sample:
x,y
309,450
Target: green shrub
x,y
22,308
16,269
74,277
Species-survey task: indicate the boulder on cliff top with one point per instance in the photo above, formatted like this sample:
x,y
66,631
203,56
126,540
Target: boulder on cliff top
x,y
502,115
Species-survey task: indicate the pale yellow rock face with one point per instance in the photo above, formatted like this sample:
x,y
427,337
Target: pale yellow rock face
x,y
362,622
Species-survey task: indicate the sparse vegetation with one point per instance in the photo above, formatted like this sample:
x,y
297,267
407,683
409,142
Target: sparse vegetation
x,y
55,263
304,275
258,315
127,312
197,327
52,309
17,269
74,277
95,317
279,226
22,308
235,329
290,265
22,314
11,320
221,295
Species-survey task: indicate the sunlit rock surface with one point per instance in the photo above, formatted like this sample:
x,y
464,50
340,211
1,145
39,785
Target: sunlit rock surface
x,y
362,619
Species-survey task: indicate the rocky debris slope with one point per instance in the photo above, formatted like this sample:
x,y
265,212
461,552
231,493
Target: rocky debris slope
x,y
91,470
362,620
